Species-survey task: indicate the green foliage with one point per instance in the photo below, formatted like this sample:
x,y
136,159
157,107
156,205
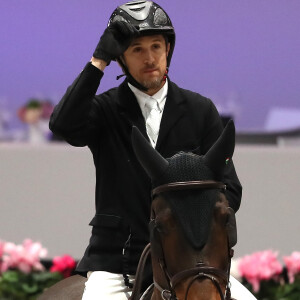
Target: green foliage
x,y
272,290
16,285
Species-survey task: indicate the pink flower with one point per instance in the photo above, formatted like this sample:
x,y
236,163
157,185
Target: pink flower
x,y
9,254
1,248
3,264
293,265
25,257
260,266
63,264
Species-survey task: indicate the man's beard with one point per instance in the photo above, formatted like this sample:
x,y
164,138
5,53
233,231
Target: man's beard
x,y
152,84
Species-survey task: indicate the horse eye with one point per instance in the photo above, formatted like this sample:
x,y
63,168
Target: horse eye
x,y
159,226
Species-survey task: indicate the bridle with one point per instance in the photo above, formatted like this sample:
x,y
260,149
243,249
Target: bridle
x,y
188,185
200,270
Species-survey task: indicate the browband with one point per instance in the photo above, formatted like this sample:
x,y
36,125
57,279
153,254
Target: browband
x,y
174,186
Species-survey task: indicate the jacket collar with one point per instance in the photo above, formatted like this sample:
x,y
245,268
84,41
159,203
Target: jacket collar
x,y
173,110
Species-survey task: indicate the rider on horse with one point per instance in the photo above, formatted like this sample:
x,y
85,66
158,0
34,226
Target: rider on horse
x,y
141,38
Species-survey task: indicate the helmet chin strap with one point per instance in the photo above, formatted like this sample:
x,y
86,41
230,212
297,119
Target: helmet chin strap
x,y
130,78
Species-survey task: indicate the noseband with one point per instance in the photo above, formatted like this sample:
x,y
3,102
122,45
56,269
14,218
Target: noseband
x,y
200,270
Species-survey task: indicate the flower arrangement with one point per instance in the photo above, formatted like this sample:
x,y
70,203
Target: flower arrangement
x,y
36,114
35,110
22,273
269,279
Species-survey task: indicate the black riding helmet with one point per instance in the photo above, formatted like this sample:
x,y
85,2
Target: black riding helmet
x,y
149,18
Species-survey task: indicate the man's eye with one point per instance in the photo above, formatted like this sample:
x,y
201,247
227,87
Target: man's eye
x,y
137,49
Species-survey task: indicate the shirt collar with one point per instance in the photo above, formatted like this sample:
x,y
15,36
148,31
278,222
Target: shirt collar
x,y
142,97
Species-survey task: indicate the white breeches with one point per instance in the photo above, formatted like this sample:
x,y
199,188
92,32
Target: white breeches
x,y
238,291
104,285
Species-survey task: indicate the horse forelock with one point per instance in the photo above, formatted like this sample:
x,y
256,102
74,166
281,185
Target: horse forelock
x,y
194,211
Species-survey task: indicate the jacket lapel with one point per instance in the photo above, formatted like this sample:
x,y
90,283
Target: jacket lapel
x,y
173,111
130,109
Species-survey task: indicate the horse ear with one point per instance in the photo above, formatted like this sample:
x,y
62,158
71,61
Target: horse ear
x,y
153,163
221,152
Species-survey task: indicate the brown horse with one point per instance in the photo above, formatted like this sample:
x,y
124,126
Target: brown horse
x,y
179,270
192,228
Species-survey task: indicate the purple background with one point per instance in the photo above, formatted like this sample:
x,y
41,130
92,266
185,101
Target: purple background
x,y
245,55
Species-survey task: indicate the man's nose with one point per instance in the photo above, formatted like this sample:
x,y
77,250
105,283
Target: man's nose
x,y
149,57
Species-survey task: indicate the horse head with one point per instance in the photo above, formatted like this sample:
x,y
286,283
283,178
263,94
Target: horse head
x,y
192,227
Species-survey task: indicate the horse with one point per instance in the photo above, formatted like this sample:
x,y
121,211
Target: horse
x,y
70,288
192,228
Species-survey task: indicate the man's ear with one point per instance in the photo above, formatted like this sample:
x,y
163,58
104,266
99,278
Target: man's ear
x,y
121,61
168,49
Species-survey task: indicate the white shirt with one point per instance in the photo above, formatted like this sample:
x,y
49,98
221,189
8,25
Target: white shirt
x,y
160,97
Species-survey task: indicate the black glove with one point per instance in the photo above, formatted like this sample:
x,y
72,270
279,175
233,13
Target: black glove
x,y
115,40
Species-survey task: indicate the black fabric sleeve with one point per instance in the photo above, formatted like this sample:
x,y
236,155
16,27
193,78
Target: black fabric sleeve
x,y
71,116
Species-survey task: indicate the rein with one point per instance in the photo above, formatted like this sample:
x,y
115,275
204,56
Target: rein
x,y
200,271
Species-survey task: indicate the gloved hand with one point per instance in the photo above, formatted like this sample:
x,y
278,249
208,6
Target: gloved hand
x,y
115,40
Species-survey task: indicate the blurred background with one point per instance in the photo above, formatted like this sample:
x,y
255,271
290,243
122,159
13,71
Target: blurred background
x,y
244,55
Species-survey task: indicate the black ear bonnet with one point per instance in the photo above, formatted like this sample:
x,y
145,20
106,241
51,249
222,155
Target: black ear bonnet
x,y
193,207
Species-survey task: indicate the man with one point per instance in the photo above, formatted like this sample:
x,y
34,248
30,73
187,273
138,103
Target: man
x,y
141,37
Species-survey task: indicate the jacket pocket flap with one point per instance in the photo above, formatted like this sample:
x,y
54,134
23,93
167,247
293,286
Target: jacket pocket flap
x,y
102,220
